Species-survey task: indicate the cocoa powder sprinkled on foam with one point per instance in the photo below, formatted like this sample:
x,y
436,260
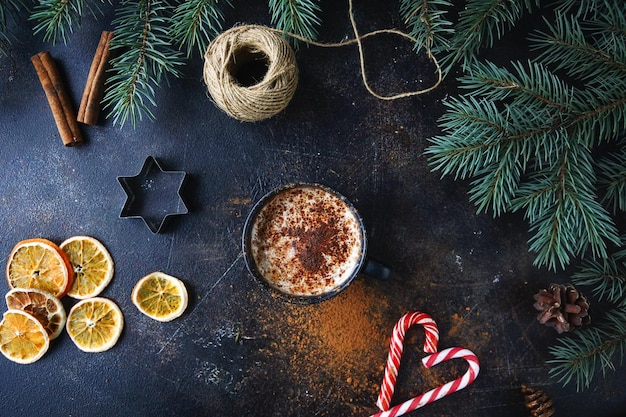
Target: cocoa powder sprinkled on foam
x,y
306,241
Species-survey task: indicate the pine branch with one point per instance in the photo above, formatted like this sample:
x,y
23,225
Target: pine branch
x,y
577,358
609,28
600,113
565,46
612,178
427,22
506,113
583,8
525,137
533,86
472,128
142,36
196,22
9,10
606,276
497,184
564,214
480,24
300,17
565,217
58,19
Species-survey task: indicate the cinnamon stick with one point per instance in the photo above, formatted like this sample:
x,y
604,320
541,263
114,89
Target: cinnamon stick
x,y
58,99
90,104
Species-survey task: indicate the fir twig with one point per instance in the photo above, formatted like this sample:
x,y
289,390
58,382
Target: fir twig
x,y
142,37
57,19
565,46
582,8
526,138
480,24
300,17
9,9
607,276
565,217
196,22
526,85
577,358
612,178
428,23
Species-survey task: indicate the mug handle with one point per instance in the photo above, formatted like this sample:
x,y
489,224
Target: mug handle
x,y
376,269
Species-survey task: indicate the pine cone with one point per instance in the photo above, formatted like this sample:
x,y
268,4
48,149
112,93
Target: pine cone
x,y
538,402
562,307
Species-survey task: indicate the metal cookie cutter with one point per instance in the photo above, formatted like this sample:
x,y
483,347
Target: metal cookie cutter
x,y
153,195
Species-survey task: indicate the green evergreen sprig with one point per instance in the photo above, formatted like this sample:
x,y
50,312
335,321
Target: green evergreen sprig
x,y
565,46
579,357
526,137
428,22
480,24
612,178
583,8
58,19
512,137
606,276
196,22
9,10
146,55
300,17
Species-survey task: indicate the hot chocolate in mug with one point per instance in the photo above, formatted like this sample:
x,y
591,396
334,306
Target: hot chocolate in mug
x,y
307,243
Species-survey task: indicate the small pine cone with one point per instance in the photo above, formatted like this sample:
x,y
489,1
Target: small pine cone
x,y
562,307
538,402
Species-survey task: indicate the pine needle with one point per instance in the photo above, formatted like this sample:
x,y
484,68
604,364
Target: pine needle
x,y
58,19
526,138
481,23
146,56
428,23
9,10
612,178
607,277
579,357
472,129
196,22
300,17
565,46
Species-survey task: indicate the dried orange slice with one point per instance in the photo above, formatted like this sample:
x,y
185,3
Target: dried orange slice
x,y
95,324
92,265
39,263
160,296
22,338
44,306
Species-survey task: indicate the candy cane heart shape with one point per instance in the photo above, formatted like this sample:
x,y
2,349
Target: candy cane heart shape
x,y
446,389
396,347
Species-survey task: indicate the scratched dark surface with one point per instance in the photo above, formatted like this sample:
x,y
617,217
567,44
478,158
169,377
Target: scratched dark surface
x,y
230,354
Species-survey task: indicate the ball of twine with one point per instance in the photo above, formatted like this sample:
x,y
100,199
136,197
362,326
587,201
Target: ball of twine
x,y
250,72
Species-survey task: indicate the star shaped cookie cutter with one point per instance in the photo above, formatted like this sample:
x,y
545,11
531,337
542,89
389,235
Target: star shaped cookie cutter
x,y
153,195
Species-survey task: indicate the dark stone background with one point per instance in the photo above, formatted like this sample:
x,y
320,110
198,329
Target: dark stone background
x,y
230,353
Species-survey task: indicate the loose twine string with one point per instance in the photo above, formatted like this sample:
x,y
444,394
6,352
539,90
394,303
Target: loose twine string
x,y
273,93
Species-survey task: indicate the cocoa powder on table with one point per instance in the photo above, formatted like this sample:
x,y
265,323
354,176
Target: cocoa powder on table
x,y
334,348
335,351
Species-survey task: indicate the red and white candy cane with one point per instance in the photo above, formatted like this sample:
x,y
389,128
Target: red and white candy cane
x,y
442,391
395,351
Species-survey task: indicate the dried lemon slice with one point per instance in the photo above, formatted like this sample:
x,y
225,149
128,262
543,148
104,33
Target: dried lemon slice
x,y
160,296
92,265
45,307
95,324
22,338
39,263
